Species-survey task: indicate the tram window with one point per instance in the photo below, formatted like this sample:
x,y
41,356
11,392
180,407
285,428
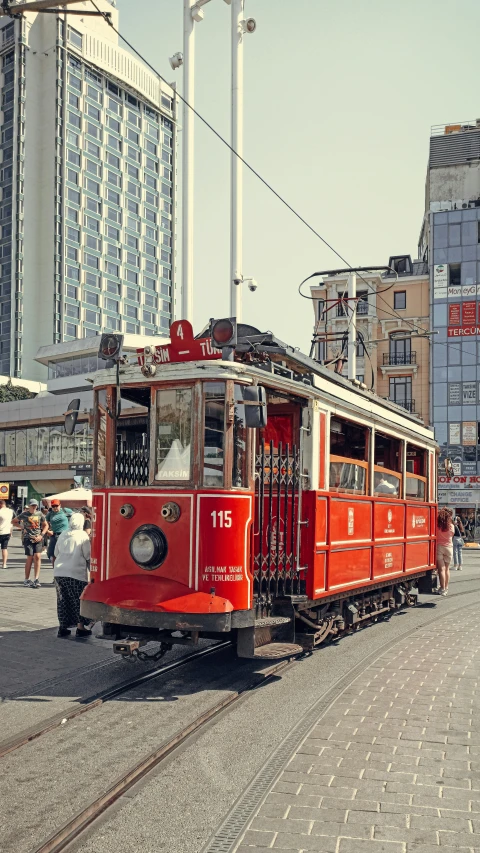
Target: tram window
x,y
387,461
348,439
214,435
100,467
347,477
348,457
174,434
239,474
417,467
415,488
416,460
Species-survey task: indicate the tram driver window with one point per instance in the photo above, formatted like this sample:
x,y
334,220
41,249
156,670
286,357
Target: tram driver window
x,y
348,457
174,434
388,460
214,434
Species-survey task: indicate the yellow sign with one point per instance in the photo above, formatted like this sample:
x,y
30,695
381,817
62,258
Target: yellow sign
x,y
4,491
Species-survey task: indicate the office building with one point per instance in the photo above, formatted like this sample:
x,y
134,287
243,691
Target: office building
x,y
87,179
391,357
449,240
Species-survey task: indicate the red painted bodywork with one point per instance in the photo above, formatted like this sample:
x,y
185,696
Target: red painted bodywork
x,y
348,542
353,541
201,559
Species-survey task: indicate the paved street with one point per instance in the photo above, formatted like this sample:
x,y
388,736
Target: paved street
x,y
393,766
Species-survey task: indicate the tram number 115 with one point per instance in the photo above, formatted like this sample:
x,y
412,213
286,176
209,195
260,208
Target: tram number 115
x,y
224,518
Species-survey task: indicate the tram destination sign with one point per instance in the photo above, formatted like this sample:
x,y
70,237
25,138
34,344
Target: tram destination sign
x,y
182,347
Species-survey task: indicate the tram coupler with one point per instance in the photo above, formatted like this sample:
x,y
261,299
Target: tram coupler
x,y
127,648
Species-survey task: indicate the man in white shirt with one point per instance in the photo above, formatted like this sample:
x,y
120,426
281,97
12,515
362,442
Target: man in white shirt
x,y
6,516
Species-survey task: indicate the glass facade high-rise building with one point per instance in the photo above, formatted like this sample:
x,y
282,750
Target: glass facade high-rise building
x,y
87,178
450,239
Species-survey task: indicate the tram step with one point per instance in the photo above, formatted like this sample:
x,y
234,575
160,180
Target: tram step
x,y
278,650
267,621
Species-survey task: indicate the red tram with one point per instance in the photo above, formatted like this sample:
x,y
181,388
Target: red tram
x,y
248,492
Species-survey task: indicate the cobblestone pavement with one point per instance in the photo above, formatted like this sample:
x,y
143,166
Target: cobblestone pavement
x,y
393,766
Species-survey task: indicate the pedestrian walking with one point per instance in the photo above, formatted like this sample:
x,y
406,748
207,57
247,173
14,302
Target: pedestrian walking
x,y
57,518
6,519
33,526
72,553
458,544
445,531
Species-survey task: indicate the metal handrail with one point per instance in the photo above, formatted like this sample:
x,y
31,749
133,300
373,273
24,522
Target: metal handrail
x,y
400,358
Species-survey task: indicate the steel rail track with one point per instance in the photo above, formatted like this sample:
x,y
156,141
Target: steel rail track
x,y
35,732
73,829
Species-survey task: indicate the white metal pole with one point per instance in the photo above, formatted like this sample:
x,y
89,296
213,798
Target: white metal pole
x,y
352,326
236,165
188,161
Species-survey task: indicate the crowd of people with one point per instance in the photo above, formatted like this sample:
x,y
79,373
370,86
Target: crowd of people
x,y
64,536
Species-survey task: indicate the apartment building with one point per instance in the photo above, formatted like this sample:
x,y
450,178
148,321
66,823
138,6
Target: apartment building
x,y
391,315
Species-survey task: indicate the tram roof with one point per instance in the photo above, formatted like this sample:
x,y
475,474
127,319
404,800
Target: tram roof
x,y
267,354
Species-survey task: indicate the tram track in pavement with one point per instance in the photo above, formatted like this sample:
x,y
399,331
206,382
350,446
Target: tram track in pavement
x,y
85,705
76,828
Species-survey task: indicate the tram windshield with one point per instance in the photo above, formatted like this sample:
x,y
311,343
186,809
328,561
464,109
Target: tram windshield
x,y
155,431
174,434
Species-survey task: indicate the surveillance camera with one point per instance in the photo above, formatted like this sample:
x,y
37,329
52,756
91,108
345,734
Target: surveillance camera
x,y
176,60
237,281
252,285
249,25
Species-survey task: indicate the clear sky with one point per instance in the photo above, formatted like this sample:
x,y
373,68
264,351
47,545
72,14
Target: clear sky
x,y
339,100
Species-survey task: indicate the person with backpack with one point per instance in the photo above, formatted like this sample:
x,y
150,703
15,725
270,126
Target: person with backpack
x,y
458,544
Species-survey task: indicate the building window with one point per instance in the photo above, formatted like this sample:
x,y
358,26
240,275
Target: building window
x,y
93,149
92,317
72,311
91,298
401,391
73,272
71,291
75,37
400,300
400,348
112,323
454,273
71,330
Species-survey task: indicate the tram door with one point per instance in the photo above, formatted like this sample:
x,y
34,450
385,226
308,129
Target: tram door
x,y
277,487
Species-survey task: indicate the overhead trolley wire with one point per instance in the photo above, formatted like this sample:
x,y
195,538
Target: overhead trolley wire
x,y
222,139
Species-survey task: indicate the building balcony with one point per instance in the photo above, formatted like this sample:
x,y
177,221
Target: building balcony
x,y
394,359
363,309
397,362
409,405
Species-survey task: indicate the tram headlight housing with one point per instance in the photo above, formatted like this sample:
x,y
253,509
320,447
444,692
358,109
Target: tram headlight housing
x,y
148,547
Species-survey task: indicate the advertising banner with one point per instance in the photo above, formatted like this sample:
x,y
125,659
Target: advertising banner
x,y
463,331
454,314
469,313
454,434
469,392
440,281
469,433
454,394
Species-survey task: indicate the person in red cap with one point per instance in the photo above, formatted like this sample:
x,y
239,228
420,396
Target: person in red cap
x,y
57,518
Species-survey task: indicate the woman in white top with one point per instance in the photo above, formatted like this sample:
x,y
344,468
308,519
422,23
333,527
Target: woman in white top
x,y
72,553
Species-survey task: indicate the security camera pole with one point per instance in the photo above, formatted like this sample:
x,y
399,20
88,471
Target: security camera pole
x,y
236,216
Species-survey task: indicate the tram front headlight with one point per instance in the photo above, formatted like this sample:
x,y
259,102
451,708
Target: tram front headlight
x,y
148,547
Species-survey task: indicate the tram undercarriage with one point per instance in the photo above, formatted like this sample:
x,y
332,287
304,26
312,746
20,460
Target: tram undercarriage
x,y
293,625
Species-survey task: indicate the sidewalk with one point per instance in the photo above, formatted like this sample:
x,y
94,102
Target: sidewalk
x,y
393,766
29,649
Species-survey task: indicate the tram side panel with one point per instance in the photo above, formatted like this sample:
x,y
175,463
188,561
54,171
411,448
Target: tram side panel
x,y
352,542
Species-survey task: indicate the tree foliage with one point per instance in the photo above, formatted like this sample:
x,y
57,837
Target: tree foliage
x,y
11,392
